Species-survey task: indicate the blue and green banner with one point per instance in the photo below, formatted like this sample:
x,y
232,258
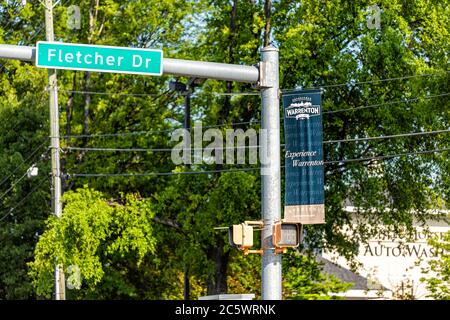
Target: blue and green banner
x,y
304,173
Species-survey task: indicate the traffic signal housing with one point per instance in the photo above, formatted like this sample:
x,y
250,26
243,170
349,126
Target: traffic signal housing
x,y
241,235
286,234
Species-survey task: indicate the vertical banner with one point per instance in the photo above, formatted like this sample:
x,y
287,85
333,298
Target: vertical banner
x,y
304,188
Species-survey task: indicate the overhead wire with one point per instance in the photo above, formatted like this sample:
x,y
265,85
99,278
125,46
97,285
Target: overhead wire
x,y
120,134
256,93
250,93
384,157
349,83
9,22
401,135
386,103
23,199
286,91
13,185
35,34
112,93
24,161
150,174
123,134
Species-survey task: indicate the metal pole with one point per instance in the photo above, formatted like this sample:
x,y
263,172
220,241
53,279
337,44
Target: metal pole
x,y
177,67
187,109
60,292
187,126
23,53
270,173
210,70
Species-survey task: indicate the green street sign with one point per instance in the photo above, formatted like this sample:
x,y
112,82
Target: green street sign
x,y
71,56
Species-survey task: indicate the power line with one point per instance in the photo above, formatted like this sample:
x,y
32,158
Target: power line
x,y
153,149
154,94
28,158
412,134
23,199
118,149
43,26
237,93
386,103
250,146
388,156
113,93
370,81
13,185
121,134
151,174
35,34
16,182
251,93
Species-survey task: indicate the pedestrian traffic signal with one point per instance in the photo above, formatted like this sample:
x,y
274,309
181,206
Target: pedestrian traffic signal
x,y
241,235
286,234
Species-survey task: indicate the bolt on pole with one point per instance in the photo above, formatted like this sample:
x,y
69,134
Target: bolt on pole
x,y
270,172
60,292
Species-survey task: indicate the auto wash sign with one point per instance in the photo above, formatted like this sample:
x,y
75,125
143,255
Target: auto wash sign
x,y
70,56
304,191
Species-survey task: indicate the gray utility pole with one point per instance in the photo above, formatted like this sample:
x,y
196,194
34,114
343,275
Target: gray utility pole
x,y
60,289
187,126
270,173
266,78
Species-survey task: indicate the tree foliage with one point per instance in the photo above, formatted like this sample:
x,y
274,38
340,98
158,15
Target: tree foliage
x,y
330,44
136,236
438,281
92,232
304,279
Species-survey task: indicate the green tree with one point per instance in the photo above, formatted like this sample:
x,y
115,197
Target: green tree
x,y
304,280
24,202
329,44
92,233
321,43
438,283
24,117
195,206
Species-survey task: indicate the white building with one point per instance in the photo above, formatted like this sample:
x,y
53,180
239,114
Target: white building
x,y
390,268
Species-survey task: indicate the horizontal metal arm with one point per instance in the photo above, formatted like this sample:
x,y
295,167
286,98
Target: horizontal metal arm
x,y
211,70
178,67
23,53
